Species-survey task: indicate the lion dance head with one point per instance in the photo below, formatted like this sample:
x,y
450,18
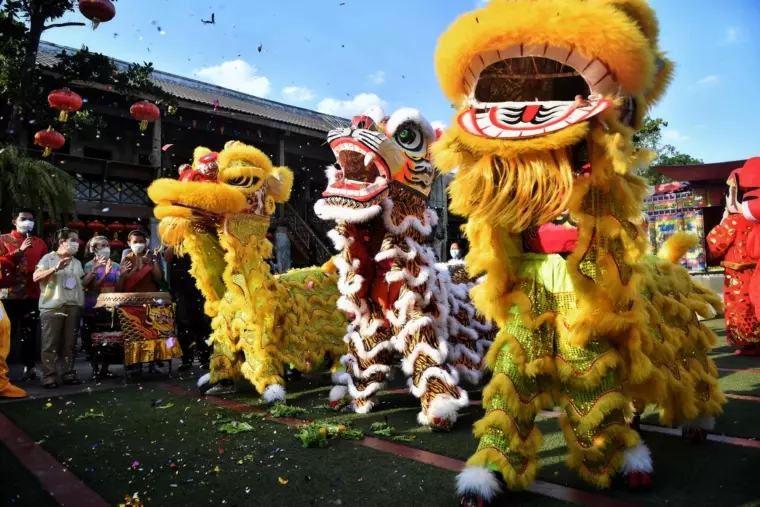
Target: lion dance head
x,y
239,180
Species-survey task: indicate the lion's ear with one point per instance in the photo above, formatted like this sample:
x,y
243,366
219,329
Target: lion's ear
x,y
643,15
664,68
200,151
280,183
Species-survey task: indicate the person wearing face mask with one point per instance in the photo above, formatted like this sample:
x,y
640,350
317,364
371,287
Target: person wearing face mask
x,y
20,251
101,275
141,268
60,276
455,252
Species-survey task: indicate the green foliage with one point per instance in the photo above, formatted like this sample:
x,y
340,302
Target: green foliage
x,y
650,137
26,181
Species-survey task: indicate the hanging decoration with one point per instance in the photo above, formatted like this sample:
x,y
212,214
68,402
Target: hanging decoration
x,y
115,228
50,140
65,101
97,11
96,226
144,112
75,225
132,226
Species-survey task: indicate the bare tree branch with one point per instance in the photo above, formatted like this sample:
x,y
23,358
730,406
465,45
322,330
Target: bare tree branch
x,y
59,25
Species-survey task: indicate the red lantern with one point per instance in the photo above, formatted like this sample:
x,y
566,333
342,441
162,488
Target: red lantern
x,y
49,225
66,101
96,226
115,243
97,11
75,225
132,226
115,228
50,140
144,112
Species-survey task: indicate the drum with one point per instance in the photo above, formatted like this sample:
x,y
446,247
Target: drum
x,y
146,320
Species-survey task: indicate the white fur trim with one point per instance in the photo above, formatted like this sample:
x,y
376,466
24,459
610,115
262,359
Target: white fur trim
x,y
273,393
480,481
408,114
366,408
331,173
376,113
706,423
341,214
204,379
338,392
446,407
340,242
339,377
430,219
637,459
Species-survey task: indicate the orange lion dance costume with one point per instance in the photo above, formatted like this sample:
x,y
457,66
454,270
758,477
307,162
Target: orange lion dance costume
x,y
7,390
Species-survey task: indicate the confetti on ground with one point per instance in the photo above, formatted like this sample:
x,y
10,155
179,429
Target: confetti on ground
x,y
404,438
382,429
164,407
90,415
282,481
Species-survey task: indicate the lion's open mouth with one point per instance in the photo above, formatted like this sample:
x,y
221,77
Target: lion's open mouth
x,y
361,176
530,90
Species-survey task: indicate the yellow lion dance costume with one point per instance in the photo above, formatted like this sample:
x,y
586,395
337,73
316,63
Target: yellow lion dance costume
x,y
219,212
549,95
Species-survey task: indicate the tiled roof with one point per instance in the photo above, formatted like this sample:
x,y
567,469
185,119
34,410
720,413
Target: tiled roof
x,y
203,93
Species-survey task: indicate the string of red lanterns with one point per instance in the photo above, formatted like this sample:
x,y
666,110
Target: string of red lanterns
x,y
97,11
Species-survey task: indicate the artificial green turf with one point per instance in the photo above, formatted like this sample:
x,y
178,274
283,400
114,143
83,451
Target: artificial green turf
x,y
132,447
19,487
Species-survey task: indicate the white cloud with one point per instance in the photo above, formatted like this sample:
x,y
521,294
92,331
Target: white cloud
x,y
297,94
731,36
377,77
709,80
349,108
236,75
674,135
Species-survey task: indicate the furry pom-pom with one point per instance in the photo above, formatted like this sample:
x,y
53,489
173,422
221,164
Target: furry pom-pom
x,y
273,393
204,379
480,481
637,459
338,392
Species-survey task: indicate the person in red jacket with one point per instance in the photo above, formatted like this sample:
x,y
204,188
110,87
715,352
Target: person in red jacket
x,y
728,243
21,296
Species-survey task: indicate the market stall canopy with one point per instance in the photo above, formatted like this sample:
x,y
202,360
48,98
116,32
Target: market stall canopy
x,y
699,172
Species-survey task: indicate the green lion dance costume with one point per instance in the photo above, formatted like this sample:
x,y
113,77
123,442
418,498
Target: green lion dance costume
x,y
399,301
218,212
549,95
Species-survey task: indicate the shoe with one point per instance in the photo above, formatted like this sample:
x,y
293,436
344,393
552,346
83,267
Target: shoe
x,y
73,382
51,385
30,374
185,367
12,391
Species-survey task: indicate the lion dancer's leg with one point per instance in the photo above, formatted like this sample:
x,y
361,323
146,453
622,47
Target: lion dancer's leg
x,y
225,362
7,390
520,387
595,424
366,364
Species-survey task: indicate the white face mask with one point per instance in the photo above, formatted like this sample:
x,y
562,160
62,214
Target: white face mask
x,y
72,247
104,253
454,254
137,248
25,226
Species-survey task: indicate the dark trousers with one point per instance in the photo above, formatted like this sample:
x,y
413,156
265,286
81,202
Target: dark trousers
x,y
193,325
25,318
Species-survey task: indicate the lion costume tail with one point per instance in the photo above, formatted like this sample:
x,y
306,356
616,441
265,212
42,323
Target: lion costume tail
x,y
677,245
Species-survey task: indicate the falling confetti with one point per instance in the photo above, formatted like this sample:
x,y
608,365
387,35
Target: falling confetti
x,y
282,481
166,147
260,47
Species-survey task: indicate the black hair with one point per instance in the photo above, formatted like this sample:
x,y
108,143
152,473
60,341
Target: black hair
x,y
138,232
18,211
63,234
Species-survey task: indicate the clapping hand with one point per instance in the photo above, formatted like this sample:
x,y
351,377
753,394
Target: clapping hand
x,y
127,267
63,263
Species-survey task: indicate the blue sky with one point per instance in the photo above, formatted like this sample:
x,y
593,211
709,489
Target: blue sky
x,y
340,56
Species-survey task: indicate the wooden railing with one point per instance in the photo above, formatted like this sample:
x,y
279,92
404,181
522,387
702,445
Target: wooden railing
x,y
304,234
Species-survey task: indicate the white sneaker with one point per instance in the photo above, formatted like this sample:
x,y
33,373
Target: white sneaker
x,y
30,374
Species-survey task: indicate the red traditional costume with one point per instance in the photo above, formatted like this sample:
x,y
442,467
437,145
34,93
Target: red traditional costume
x,y
729,243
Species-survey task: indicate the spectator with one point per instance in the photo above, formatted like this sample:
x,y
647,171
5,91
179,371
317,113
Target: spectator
x,y
103,275
193,325
141,270
21,296
455,252
60,276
